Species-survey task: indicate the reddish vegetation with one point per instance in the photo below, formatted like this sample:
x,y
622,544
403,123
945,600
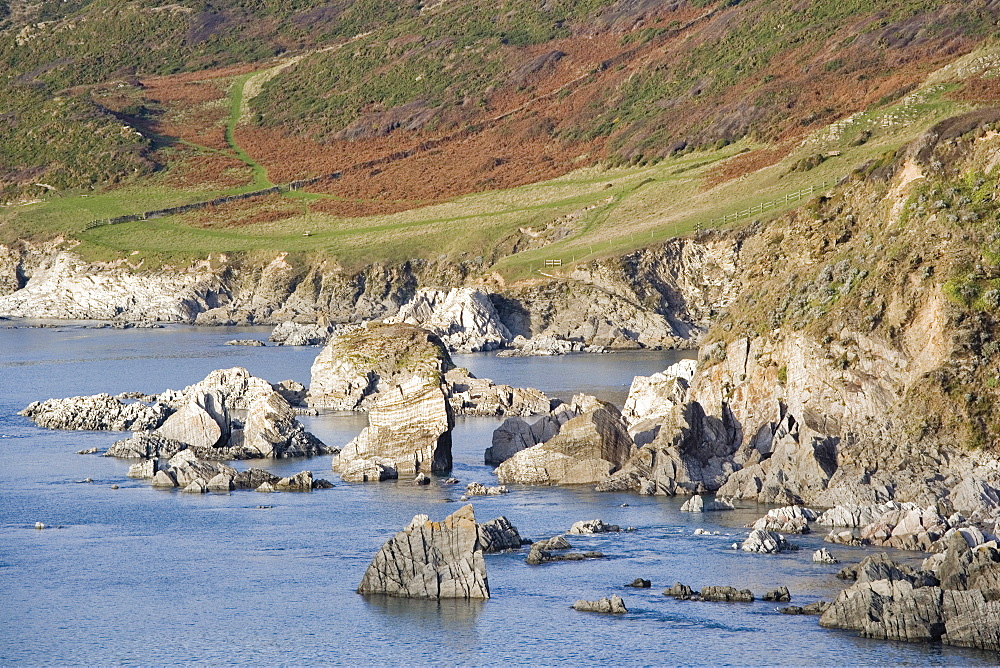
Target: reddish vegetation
x,y
978,90
215,171
237,214
747,163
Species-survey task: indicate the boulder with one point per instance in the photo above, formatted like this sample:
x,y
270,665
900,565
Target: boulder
x,y
726,594
499,535
145,445
253,478
186,467
766,542
779,595
222,482
588,527
196,486
252,343
640,583
163,479
368,470
681,592
431,560
542,346
195,426
697,505
463,318
815,608
854,516
421,479
99,412
271,430
536,555
300,482
789,519
823,556
479,489
610,606
143,470
587,449
516,434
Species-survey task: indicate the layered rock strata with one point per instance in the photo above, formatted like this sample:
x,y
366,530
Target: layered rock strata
x,y
463,318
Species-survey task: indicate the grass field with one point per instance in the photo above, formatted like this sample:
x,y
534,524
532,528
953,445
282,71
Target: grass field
x,y
586,214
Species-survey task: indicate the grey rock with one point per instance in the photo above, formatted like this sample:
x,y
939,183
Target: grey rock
x,y
143,470
163,479
298,334
221,482
253,343
300,482
698,505
823,556
499,535
421,479
681,592
766,542
640,583
186,467
196,486
779,595
100,412
253,478
431,560
368,470
479,489
464,318
653,397
726,594
469,395
609,606
586,527
145,445
816,608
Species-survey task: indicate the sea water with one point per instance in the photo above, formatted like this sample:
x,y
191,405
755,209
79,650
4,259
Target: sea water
x,y
137,575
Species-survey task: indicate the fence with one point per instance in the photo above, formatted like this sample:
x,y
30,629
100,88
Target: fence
x,y
765,206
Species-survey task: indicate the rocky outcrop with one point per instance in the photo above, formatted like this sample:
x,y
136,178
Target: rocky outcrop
x,y
499,535
651,399
959,604
368,470
469,395
691,454
698,505
359,364
766,542
588,527
290,333
779,595
788,519
609,606
479,489
432,560
409,430
823,556
586,449
463,318
251,343
546,346
145,445
726,594
516,434
99,412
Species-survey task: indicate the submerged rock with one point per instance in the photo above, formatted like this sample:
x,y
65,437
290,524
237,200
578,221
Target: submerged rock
x,y
253,343
610,606
431,560
640,583
479,489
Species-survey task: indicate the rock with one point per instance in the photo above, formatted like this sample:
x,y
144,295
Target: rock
x,y
469,395
356,366
587,449
779,595
114,486
681,592
552,544
368,470
409,427
245,342
499,535
145,445
100,412
421,479
195,426
39,525
221,482
479,489
300,482
431,560
143,470
515,434
87,451
537,555
163,479
271,430
652,398
196,486
543,346
186,467
823,556
253,478
293,392
726,594
463,318
640,583
266,488
789,519
817,608
611,606
587,527
232,389
766,542
322,483
697,505
297,334
859,516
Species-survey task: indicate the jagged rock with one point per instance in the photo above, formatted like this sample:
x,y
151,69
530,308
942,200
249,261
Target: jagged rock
x,y
766,542
692,453
498,535
431,560
469,395
823,556
537,555
266,488
697,505
651,399
479,489
253,478
322,483
587,449
611,606
186,467
196,486
640,583
253,343
779,595
297,334
356,366
587,527
368,470
816,608
145,445
202,423
99,412
464,318
300,482
143,470
552,544
789,519
291,391
515,434
421,479
726,594
272,430
232,389
911,529
163,479
681,592
409,427
222,482
543,346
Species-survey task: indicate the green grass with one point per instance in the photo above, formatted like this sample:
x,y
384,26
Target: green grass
x,y
260,180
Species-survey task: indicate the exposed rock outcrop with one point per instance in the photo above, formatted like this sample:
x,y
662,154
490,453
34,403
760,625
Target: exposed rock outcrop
x,y
609,606
726,594
586,527
651,399
788,519
546,346
290,333
587,449
516,434
499,535
698,505
99,412
463,318
766,542
469,395
432,560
